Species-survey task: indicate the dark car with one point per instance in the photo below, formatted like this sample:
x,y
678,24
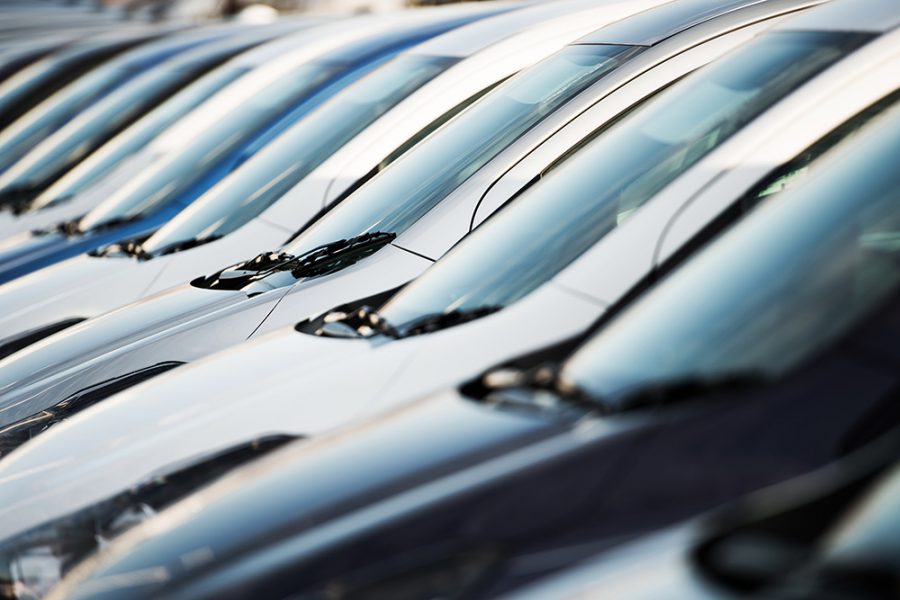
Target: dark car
x,y
772,352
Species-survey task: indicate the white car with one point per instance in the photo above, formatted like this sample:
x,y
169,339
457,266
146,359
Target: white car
x,y
282,187
297,384
423,200
194,119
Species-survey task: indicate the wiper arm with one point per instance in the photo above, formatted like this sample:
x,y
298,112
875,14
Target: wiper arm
x,y
186,245
363,322
682,389
322,260
72,228
524,387
653,395
438,321
133,248
18,199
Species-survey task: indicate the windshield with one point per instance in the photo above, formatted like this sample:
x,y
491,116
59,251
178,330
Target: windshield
x,y
92,127
294,154
797,274
598,187
187,161
137,136
21,136
413,184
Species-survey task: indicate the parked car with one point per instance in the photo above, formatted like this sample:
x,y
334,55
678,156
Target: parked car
x,y
828,534
284,186
173,181
718,382
370,243
306,391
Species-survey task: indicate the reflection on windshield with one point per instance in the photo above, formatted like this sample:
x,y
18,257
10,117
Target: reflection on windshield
x,y
600,186
295,153
771,293
413,184
189,162
47,116
92,127
137,136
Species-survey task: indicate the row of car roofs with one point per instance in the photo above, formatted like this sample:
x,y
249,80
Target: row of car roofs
x,y
578,298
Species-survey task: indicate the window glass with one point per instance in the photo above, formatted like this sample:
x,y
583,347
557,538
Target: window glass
x,y
417,181
598,187
91,127
193,158
138,135
297,152
50,114
769,294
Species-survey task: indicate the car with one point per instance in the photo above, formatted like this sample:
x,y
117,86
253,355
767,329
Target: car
x,y
819,535
62,150
715,383
174,180
441,210
297,385
246,213
17,138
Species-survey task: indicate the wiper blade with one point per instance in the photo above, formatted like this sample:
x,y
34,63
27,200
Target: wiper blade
x,y
654,395
363,322
683,389
322,260
72,228
524,387
133,248
186,245
18,199
438,321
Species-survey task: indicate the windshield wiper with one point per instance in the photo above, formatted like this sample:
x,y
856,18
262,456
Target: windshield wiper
x,y
72,228
18,199
133,248
653,395
327,258
186,245
362,322
438,321
683,389
521,387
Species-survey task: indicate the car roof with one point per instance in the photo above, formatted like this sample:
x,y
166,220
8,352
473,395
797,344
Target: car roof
x,y
657,24
876,16
468,40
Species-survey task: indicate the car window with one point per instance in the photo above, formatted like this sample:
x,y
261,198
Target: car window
x,y
768,295
600,186
190,159
413,184
138,135
297,152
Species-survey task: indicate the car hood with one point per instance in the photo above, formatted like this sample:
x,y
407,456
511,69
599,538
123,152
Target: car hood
x,y
139,432
304,492
118,342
